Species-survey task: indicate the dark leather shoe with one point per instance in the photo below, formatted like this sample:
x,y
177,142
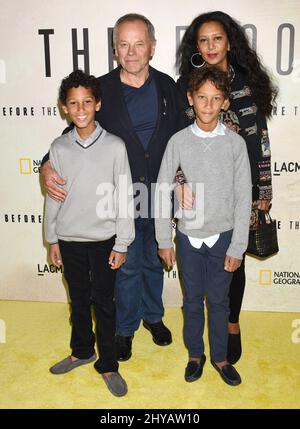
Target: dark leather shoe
x,y
194,370
234,348
229,374
123,347
161,335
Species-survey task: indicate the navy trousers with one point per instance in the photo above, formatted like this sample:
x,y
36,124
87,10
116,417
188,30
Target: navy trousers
x,y
203,275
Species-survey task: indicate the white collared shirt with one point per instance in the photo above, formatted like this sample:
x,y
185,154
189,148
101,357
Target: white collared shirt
x,y
218,131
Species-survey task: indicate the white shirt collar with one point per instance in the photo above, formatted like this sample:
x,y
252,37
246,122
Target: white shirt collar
x,y
218,131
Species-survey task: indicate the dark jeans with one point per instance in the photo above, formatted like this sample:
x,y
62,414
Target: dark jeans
x,y
91,281
139,282
203,275
236,292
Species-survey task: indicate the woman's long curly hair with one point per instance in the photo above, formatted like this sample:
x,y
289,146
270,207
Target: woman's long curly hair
x,y
241,56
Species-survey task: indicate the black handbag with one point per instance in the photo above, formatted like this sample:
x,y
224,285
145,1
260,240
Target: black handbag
x,y
262,235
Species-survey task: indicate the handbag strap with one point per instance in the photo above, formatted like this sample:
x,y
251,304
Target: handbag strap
x,y
264,216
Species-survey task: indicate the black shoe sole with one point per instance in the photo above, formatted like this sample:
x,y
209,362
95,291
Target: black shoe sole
x,y
233,361
161,344
190,380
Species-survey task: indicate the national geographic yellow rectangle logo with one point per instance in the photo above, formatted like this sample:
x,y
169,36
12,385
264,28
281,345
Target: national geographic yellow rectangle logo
x,y
25,166
265,277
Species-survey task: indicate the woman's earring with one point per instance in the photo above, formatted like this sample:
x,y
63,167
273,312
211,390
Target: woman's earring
x,y
190,113
198,66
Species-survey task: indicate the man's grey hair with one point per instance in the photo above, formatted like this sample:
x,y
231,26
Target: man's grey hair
x,y
130,17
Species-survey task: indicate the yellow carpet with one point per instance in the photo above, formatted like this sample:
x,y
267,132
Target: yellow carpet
x,y
37,335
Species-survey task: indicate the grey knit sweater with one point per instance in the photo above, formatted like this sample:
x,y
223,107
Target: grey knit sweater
x,y
91,211
219,166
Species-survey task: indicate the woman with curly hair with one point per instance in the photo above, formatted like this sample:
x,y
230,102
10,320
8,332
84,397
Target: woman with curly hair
x,y
217,40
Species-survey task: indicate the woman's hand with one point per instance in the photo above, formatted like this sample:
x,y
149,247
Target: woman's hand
x,y
263,204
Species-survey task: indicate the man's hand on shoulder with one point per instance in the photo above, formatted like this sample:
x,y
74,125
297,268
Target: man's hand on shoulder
x,y
52,182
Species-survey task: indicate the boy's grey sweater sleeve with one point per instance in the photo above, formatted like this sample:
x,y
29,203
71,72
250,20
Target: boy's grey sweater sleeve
x,y
242,200
125,228
52,207
163,191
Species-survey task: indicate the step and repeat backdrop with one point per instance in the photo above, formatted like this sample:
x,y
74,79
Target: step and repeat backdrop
x,y
41,41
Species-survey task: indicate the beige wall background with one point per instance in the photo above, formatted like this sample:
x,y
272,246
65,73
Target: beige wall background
x,y
30,120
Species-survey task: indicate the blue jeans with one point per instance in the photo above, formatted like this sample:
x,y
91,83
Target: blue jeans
x,y
139,282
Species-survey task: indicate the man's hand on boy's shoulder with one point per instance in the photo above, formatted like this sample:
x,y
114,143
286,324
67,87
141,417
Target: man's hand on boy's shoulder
x,y
116,259
168,256
52,182
231,264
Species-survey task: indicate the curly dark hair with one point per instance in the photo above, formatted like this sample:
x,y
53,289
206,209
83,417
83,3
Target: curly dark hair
x,y
218,77
241,56
79,78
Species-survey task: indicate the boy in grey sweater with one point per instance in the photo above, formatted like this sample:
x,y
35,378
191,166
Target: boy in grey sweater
x,y
90,231
211,238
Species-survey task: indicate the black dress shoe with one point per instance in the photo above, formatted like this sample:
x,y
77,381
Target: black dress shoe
x,y
194,370
234,348
229,374
123,347
160,333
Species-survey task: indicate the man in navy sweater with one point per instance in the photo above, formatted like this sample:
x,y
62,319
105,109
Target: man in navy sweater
x,y
139,104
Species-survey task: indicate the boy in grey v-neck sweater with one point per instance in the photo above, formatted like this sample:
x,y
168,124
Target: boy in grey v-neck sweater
x,y
90,231
92,172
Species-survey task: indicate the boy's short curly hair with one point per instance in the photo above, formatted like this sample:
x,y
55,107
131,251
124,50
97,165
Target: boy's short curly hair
x,y
79,78
201,75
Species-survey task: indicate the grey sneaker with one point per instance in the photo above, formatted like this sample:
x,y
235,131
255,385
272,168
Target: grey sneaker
x,y
67,364
116,384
